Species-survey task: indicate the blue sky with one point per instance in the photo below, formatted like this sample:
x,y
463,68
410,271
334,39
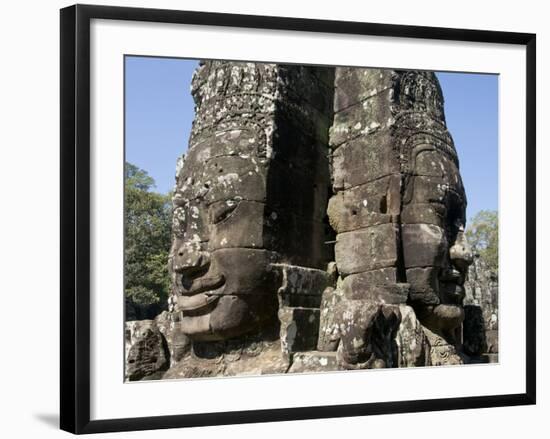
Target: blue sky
x,y
159,113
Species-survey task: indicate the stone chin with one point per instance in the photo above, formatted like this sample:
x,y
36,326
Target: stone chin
x,y
228,316
442,318
235,295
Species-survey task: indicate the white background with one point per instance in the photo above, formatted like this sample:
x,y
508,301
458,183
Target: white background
x,y
29,221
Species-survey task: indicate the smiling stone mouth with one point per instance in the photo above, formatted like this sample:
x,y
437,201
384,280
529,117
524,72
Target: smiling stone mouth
x,y
201,285
196,304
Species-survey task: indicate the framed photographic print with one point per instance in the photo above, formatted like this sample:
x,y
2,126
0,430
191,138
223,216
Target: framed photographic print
x,y
268,218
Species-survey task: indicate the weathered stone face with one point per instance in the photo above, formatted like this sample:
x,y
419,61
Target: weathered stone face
x,y
436,254
399,204
364,211
250,194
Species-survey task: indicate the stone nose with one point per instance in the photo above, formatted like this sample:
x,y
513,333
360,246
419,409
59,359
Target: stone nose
x,y
188,259
461,252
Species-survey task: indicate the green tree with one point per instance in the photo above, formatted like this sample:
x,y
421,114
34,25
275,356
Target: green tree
x,y
147,243
483,237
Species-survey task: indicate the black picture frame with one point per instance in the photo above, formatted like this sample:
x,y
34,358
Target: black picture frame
x,y
75,217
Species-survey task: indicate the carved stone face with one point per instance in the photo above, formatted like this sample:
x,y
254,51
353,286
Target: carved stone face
x,y
236,219
250,195
435,250
222,277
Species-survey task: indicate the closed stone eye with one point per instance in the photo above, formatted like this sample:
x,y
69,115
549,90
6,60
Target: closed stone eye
x,y
222,210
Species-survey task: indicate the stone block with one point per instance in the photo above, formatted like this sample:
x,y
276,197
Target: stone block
x,y
307,85
354,85
147,354
299,329
424,285
328,325
314,362
366,249
301,286
427,190
364,159
412,344
424,245
370,204
238,224
362,119
378,286
424,213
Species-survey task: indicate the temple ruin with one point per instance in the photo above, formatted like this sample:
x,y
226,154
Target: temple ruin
x,y
318,225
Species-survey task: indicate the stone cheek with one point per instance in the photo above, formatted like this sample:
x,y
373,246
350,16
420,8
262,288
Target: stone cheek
x,y
424,213
424,285
424,245
366,249
242,227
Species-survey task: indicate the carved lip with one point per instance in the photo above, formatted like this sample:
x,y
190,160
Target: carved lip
x,y
197,302
202,284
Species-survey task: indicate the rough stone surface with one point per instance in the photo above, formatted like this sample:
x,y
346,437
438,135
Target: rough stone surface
x,y
147,353
366,249
299,329
398,207
413,348
474,338
367,333
481,321
314,361
442,353
328,322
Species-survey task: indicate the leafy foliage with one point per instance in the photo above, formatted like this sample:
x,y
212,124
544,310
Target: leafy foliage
x,y
483,237
147,243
